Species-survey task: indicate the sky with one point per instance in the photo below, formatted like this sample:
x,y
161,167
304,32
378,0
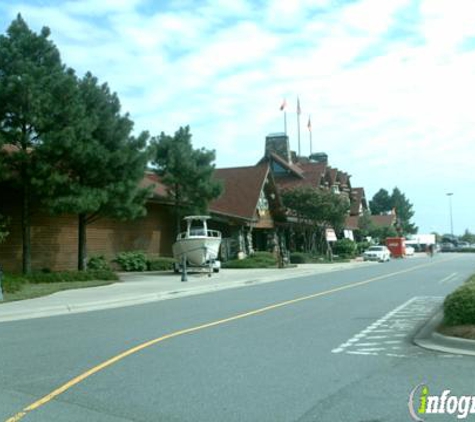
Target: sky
x,y
389,85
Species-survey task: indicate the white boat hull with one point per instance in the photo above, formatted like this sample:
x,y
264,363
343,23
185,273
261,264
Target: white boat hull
x,y
198,249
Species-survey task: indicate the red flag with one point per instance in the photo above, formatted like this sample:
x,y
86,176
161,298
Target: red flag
x,y
284,104
309,124
298,106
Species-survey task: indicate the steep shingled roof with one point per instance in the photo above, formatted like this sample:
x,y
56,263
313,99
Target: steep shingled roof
x,y
242,188
311,175
160,190
357,199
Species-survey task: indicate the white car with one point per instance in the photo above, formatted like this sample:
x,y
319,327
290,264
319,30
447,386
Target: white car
x,y
409,250
377,253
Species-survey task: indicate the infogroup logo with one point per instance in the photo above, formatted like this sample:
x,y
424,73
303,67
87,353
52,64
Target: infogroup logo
x,y
421,403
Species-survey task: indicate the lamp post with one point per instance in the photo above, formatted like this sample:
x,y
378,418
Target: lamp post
x,y
450,208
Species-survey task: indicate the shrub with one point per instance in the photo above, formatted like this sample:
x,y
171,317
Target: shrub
x,y
12,284
132,261
362,246
298,258
345,248
160,264
256,260
459,306
98,262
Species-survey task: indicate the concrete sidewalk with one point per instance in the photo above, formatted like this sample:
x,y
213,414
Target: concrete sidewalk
x,y
140,288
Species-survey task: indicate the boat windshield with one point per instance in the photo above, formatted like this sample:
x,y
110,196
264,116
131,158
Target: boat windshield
x,y
197,231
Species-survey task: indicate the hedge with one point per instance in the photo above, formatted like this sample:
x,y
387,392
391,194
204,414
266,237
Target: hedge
x,y
256,260
160,264
459,306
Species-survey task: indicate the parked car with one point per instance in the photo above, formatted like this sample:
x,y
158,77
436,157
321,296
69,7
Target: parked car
x,y
377,253
409,250
447,247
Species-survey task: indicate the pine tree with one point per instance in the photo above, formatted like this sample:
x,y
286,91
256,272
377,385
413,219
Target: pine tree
x,y
381,202
187,173
35,89
96,171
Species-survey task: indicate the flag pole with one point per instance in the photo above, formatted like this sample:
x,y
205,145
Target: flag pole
x,y
283,108
309,125
298,122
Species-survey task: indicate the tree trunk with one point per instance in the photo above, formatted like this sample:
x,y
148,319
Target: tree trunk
x,y
82,242
26,229
177,210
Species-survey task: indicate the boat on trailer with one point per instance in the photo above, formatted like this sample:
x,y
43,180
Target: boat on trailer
x,y
198,244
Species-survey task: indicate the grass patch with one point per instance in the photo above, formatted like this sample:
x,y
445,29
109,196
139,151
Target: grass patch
x,y
32,290
19,287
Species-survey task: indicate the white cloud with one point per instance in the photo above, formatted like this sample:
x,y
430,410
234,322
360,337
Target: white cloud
x,y
388,111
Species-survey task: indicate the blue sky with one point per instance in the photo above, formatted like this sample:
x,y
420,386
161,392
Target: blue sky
x,y
389,84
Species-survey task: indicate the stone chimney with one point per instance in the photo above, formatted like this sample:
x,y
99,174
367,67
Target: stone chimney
x,y
278,143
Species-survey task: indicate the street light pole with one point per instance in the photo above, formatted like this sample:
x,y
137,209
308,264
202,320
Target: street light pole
x,y
450,208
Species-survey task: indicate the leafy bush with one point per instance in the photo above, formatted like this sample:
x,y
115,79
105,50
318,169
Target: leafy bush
x,y
459,306
298,258
64,276
12,284
362,246
345,248
256,260
132,261
98,262
160,264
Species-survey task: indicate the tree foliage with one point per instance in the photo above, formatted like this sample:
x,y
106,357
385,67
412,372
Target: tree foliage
x,y
187,173
96,170
314,211
383,203
468,237
63,141
34,101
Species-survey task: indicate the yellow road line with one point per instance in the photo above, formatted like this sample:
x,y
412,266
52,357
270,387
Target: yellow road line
x,y
142,346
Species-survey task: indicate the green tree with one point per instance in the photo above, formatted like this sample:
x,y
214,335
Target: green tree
x,y
404,212
468,237
314,211
34,102
381,202
95,171
187,173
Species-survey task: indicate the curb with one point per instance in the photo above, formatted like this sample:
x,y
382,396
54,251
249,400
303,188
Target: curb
x,y
141,299
429,339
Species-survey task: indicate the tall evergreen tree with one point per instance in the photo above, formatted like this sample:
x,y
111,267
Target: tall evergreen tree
x,y
96,171
187,173
404,212
35,89
381,202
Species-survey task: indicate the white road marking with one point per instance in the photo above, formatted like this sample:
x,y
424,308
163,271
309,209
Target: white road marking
x,y
449,279
386,335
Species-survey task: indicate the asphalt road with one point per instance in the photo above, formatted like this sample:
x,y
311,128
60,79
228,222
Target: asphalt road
x,y
333,347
